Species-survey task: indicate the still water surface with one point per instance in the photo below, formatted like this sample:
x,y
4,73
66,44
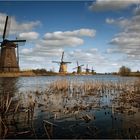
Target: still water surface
x,y
40,82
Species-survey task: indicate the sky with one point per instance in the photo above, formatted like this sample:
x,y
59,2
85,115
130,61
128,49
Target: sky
x,y
103,34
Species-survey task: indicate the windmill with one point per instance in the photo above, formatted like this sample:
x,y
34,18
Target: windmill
x,y
79,68
92,71
9,62
63,65
87,69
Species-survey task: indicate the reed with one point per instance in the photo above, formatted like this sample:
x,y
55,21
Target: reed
x,y
63,98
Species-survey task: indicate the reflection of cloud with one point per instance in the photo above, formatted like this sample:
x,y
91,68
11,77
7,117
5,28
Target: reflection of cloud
x,y
103,5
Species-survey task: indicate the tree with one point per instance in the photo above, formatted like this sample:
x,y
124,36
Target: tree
x,y
124,71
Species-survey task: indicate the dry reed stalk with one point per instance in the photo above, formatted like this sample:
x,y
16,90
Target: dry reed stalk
x,y
8,104
5,129
49,130
16,108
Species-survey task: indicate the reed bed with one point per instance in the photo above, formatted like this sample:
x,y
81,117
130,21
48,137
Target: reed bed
x,y
64,99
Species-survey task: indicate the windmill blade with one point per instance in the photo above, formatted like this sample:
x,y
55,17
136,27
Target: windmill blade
x,y
62,57
81,65
77,64
18,42
14,41
75,68
5,26
55,62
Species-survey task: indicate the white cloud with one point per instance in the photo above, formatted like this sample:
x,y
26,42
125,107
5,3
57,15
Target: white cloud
x,y
29,35
110,20
63,42
77,33
122,22
128,41
15,26
67,38
103,5
26,51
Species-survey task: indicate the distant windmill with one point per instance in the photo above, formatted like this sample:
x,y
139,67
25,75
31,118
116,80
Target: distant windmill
x,y
79,68
92,71
87,69
9,62
63,65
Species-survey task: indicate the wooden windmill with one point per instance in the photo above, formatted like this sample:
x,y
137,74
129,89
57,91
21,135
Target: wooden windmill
x,y
79,68
9,61
63,65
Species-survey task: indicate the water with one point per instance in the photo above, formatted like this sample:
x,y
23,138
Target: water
x,y
103,123
40,82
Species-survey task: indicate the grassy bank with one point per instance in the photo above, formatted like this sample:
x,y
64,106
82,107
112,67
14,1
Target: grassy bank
x,y
25,73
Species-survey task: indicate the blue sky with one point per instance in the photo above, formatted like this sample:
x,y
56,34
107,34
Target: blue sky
x,y
103,34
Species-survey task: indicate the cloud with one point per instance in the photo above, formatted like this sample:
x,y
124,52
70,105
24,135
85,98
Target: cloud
x,y
122,22
61,35
105,5
52,43
15,26
29,35
128,41
67,38
110,21
91,56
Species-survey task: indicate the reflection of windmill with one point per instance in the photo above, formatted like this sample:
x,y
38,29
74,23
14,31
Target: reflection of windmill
x,y
79,68
87,69
9,62
63,65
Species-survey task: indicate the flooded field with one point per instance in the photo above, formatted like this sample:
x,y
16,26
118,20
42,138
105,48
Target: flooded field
x,y
70,107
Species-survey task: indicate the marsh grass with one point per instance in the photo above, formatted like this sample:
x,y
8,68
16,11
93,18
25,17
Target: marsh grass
x,y
64,99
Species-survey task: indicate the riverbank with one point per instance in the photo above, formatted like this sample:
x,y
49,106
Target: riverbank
x,y
48,73
32,74
25,73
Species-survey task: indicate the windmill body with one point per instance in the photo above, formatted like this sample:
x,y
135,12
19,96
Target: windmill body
x,y
79,68
87,70
63,65
9,62
63,68
8,57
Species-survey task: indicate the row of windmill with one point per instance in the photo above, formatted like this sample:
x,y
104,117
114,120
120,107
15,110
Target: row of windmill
x,y
9,58
63,66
